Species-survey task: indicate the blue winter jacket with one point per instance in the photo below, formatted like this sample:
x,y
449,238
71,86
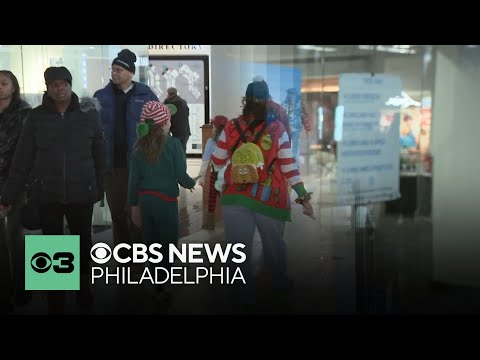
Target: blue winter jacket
x,y
141,94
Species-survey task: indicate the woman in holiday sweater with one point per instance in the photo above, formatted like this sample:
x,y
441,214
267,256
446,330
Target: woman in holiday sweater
x,y
157,167
256,193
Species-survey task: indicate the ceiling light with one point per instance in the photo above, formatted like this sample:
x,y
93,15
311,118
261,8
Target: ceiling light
x,y
397,49
316,48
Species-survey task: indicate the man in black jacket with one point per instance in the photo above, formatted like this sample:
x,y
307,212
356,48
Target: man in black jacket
x,y
61,153
180,122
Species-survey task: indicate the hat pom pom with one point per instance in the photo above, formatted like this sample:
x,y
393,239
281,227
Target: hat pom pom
x,y
142,129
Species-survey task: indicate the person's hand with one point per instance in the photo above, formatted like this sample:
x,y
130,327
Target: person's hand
x,y
201,181
308,209
4,209
136,216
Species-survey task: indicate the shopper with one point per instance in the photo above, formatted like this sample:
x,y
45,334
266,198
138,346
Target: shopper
x,y
157,166
13,113
121,104
260,167
61,154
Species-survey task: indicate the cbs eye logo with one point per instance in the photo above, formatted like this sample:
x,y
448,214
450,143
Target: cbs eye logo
x,y
101,253
52,262
41,262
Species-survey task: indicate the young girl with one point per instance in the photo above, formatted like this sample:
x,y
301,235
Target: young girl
x,y
157,166
218,123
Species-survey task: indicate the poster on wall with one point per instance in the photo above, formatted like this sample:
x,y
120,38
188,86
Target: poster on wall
x,y
190,77
367,134
415,156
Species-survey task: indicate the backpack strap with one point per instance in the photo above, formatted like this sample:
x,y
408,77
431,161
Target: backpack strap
x,y
240,131
260,133
250,127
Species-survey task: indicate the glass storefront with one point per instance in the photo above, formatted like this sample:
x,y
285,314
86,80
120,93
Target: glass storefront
x,y
399,253
89,65
90,69
395,126
386,276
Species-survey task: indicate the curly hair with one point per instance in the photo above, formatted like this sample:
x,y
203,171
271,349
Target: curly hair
x,y
255,107
151,145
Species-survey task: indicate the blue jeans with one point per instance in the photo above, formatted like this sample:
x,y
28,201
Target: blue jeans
x,y
240,223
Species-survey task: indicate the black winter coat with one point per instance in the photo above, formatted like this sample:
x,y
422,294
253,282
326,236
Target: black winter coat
x,y
180,120
60,155
11,123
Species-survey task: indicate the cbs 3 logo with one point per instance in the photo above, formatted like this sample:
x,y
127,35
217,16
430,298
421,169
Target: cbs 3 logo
x,y
41,262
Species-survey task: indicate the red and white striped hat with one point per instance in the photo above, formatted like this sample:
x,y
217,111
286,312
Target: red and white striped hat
x,y
156,111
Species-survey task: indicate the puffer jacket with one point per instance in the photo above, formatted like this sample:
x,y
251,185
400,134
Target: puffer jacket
x,y
11,123
60,155
141,94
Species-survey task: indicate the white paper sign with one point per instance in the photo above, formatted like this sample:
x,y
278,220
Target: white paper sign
x,y
367,134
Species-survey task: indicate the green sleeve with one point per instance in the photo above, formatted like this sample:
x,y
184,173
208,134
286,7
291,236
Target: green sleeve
x,y
300,189
133,180
180,161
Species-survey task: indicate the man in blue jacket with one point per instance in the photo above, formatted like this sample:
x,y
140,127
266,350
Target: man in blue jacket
x,y
121,101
